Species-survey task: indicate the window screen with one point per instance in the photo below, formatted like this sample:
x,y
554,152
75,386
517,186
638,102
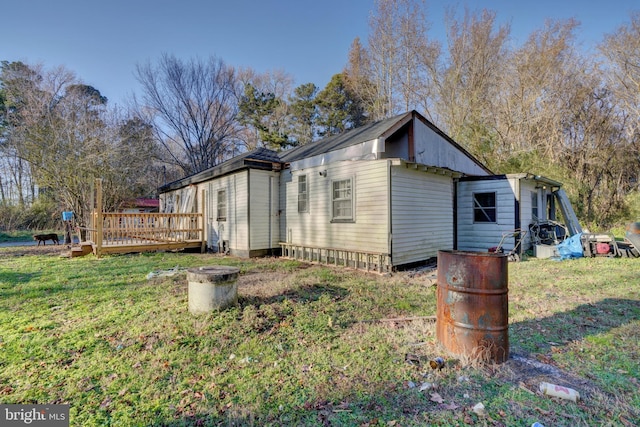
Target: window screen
x,y
484,207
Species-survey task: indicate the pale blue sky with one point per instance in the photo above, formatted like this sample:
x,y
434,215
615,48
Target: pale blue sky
x,y
102,41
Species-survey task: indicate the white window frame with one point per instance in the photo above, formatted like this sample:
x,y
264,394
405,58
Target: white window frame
x,y
303,194
341,199
221,205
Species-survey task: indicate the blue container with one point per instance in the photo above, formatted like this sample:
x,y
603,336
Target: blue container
x,y
67,216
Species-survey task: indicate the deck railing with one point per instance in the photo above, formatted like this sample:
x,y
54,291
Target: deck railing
x,y
119,232
111,229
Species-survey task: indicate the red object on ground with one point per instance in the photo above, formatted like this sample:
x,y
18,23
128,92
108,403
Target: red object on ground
x,y
603,248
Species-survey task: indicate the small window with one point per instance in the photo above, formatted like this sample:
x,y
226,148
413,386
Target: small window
x,y
222,205
342,200
303,194
534,206
484,207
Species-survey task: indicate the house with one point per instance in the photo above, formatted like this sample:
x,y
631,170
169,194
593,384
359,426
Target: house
x,y
240,199
519,206
384,195
140,205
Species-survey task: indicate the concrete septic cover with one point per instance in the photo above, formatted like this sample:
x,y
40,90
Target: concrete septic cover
x,y
212,288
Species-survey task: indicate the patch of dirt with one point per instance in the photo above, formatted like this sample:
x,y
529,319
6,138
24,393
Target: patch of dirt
x,y
261,284
528,373
15,251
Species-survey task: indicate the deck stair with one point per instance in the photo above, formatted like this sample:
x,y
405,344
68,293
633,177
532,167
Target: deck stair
x,y
82,249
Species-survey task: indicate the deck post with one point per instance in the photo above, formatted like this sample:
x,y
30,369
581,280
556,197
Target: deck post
x,y
203,247
98,217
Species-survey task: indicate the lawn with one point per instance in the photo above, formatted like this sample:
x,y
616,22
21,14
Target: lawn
x,y
22,235
309,345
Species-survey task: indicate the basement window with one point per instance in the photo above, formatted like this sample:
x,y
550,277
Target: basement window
x,y
222,205
342,200
484,207
303,194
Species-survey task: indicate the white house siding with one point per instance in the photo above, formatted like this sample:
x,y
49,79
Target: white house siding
x,y
368,232
434,150
264,206
398,149
478,236
421,214
235,230
526,215
286,186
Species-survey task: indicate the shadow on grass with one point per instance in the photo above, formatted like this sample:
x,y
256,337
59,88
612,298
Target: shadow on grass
x,y
15,277
534,335
9,281
302,294
539,335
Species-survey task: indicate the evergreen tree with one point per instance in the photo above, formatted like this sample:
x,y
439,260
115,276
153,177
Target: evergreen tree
x,y
303,112
339,109
256,110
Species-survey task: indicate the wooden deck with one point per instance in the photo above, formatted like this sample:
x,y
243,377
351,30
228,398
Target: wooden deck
x,y
113,233
119,232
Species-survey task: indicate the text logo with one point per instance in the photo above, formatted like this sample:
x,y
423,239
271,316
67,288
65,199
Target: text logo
x,y
34,415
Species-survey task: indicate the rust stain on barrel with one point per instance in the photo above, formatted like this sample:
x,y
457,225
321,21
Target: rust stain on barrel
x,y
473,306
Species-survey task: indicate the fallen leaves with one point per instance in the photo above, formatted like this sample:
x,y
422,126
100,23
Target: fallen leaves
x,y
479,409
435,397
106,402
426,386
450,406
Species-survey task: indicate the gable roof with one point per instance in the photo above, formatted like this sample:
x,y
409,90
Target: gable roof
x,y
260,158
263,158
345,139
380,129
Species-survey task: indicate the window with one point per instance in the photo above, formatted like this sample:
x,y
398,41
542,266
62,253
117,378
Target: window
x,y
534,205
342,200
484,207
222,205
303,194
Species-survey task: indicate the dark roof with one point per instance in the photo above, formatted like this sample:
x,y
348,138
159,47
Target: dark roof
x,y
260,158
263,158
343,140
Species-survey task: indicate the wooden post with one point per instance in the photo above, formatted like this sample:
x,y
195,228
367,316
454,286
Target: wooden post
x,y
98,217
203,247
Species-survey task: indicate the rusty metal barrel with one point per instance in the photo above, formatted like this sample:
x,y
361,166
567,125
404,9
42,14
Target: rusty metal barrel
x,y
212,288
473,305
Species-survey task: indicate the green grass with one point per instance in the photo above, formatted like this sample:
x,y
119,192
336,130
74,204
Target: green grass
x,y
16,236
303,347
23,235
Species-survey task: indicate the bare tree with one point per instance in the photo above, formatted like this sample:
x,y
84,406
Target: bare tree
x,y
264,109
64,130
358,74
539,84
470,80
193,106
622,51
383,56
